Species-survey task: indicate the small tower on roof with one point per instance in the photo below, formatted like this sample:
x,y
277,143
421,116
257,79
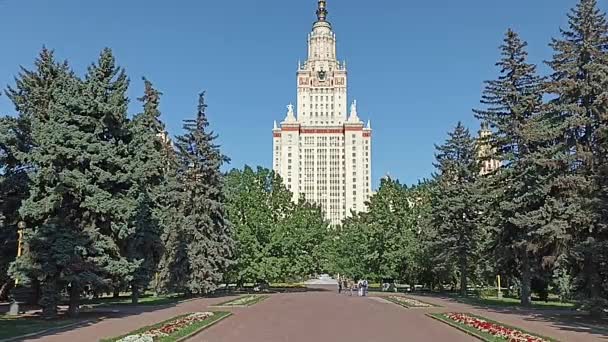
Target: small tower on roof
x,y
322,11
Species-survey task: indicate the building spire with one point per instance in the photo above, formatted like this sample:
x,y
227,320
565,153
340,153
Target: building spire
x,y
322,10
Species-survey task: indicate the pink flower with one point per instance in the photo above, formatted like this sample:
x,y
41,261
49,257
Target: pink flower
x,y
511,335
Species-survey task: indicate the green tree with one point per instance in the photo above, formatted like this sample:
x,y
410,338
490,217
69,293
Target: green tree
x,y
147,169
276,239
579,88
63,245
517,193
105,104
456,207
206,235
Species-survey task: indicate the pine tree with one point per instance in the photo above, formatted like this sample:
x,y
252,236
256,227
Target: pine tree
x,y
14,187
456,208
517,192
579,85
147,171
63,245
105,103
206,231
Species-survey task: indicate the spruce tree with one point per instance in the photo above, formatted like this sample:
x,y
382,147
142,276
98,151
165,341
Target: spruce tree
x,y
456,207
517,192
63,246
14,187
579,85
206,231
147,170
105,104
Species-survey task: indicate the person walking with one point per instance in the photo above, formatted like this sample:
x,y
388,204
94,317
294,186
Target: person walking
x,y
339,285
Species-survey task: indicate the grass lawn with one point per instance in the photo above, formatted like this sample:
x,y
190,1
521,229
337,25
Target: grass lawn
x,y
148,300
180,335
18,326
246,300
512,302
484,336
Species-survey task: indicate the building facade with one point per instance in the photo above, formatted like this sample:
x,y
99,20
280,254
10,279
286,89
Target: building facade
x,y
485,152
322,149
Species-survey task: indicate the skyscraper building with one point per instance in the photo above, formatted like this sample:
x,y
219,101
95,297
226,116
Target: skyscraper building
x,y
485,153
322,149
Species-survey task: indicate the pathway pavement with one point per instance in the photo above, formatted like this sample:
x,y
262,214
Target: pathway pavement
x,y
323,315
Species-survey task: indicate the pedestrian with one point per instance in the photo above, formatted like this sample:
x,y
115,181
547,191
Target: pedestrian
x,y
351,285
339,285
365,285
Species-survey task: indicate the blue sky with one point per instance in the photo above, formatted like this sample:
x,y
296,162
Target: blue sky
x,y
415,67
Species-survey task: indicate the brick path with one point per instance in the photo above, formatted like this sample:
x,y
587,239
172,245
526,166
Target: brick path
x,y
325,316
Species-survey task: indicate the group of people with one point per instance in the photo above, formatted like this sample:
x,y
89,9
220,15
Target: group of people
x,y
361,287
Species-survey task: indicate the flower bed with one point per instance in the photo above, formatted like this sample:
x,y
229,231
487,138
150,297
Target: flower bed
x,y
409,302
176,329
488,330
247,300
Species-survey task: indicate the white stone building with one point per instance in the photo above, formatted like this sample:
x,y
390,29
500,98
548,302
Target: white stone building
x,y
323,152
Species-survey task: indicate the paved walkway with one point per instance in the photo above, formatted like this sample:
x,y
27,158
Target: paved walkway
x,y
326,316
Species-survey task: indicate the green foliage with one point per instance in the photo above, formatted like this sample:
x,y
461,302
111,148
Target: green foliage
x,y
516,195
387,241
277,240
64,245
456,206
146,168
202,247
579,87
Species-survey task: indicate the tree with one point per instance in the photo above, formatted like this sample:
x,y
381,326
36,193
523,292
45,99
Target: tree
x,y
276,239
579,87
147,170
105,104
63,246
456,207
14,187
517,192
206,244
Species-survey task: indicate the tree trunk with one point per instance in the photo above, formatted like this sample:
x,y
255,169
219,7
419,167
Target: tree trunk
x,y
116,293
463,274
596,310
49,298
526,279
134,294
74,308
36,293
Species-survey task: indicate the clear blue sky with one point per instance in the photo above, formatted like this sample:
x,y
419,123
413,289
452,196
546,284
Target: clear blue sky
x,y
415,67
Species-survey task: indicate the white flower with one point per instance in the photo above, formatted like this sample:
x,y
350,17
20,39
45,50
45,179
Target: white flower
x,y
137,338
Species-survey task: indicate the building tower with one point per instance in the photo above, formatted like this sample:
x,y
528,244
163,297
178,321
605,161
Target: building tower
x,y
322,149
485,152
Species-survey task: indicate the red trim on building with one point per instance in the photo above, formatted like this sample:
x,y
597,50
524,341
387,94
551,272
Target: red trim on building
x,y
276,134
348,129
290,129
322,131
367,134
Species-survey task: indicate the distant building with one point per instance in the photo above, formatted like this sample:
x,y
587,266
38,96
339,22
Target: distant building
x,y
485,151
324,152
